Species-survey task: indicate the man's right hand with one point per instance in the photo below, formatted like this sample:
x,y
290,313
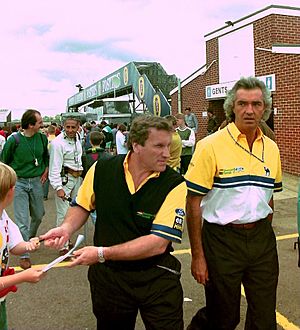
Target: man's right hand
x,y
199,270
56,237
60,193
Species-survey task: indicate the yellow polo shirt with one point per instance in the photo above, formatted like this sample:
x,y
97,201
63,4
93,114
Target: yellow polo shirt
x,y
175,151
169,220
236,185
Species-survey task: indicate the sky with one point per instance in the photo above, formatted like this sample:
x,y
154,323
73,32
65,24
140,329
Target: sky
x,y
47,47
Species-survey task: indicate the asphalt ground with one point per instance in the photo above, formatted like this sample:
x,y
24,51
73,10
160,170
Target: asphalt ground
x,y
62,299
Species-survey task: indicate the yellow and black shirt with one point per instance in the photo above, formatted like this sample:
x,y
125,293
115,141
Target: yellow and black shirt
x,y
237,184
124,213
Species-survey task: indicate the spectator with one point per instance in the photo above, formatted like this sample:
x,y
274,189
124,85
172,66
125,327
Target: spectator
x,y
94,126
95,152
121,144
14,128
187,136
81,134
140,211
108,134
92,155
114,129
2,143
2,132
27,154
191,119
87,131
50,137
176,145
66,168
212,124
57,129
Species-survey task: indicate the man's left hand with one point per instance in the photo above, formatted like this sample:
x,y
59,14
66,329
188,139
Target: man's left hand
x,y
85,256
44,176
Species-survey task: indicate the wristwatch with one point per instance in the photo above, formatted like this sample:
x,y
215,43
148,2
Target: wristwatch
x,y
100,254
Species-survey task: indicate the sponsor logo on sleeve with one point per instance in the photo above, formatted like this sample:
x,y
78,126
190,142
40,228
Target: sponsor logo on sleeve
x,y
179,219
178,223
180,212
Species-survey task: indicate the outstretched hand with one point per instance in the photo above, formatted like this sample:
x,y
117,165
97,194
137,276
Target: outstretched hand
x,y
33,244
88,255
32,275
55,238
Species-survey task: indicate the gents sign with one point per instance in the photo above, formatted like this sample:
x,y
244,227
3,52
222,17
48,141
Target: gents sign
x,y
220,90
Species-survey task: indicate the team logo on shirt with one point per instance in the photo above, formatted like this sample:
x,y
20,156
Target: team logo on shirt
x,y
145,215
229,171
267,171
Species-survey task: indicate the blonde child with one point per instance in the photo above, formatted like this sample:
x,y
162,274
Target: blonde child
x,y
11,241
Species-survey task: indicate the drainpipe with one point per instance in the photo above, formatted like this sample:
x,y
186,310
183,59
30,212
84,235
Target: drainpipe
x,y
179,96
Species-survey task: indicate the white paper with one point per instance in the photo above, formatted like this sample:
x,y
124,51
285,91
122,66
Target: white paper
x,y
79,240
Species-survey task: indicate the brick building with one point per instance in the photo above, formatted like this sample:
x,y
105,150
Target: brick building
x,y
265,44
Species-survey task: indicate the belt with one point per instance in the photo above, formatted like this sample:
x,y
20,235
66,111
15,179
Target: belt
x,y
74,173
245,225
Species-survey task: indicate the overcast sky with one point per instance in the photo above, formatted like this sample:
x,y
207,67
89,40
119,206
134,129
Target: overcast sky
x,y
47,47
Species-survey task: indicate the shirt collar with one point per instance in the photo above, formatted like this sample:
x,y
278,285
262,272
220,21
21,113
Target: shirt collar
x,y
129,179
235,132
70,139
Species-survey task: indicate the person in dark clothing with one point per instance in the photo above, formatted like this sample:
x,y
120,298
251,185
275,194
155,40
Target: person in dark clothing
x,y
27,154
95,152
212,124
140,210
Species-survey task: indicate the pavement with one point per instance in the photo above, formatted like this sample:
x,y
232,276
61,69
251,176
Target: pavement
x,y
62,299
290,185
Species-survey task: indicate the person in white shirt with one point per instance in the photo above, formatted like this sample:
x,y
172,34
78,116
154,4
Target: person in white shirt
x,y
65,167
187,136
121,144
2,142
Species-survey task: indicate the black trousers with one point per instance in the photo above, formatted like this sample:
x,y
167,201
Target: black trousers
x,y
184,163
118,295
238,256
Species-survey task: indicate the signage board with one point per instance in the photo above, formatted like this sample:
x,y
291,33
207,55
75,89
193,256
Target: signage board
x,y
218,91
3,115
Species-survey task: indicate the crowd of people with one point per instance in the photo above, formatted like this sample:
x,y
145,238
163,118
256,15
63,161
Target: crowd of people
x,y
222,187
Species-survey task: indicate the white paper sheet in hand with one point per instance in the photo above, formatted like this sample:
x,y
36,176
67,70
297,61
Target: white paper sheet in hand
x,y
79,240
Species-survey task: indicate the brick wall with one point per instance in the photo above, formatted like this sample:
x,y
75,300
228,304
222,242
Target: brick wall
x,y
280,29
270,30
193,94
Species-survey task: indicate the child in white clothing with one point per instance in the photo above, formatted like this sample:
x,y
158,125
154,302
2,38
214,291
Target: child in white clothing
x,y
11,241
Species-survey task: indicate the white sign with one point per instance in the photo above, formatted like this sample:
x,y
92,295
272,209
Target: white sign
x,y
3,115
220,90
